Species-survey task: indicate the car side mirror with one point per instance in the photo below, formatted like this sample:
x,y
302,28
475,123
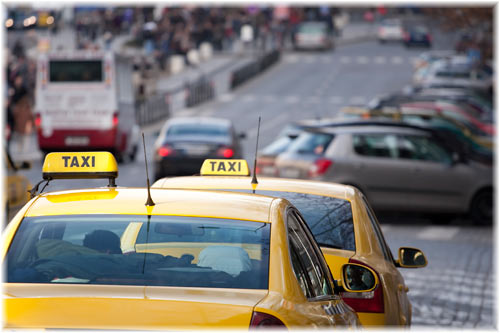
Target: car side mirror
x,y
357,278
242,136
410,257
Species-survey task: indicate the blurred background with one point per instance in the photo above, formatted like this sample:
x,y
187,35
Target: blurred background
x,y
401,84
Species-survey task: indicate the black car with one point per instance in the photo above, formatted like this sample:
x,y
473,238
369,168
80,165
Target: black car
x,y
417,35
184,143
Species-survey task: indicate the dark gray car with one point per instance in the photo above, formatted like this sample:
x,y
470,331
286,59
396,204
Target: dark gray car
x,y
185,142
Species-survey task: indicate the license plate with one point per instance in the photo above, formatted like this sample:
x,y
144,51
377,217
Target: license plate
x,y
76,141
290,173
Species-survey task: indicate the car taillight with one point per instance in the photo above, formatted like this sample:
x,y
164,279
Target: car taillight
x,y
319,167
429,37
263,320
115,119
225,152
165,151
372,301
38,120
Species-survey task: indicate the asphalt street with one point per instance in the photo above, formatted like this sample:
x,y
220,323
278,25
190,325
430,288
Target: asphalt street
x,y
456,289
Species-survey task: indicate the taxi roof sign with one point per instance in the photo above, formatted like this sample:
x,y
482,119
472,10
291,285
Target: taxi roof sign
x,y
222,167
80,165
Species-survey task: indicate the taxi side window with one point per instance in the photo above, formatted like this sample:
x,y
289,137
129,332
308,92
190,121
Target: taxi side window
x,y
380,237
306,261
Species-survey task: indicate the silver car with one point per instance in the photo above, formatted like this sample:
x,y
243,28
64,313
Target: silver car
x,y
313,35
399,167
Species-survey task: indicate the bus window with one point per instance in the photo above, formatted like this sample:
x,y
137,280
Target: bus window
x,y
75,71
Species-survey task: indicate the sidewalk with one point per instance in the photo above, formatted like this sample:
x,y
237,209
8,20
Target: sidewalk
x,y
218,68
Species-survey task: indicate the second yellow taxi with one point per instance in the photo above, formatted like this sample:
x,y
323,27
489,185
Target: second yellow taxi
x,y
343,224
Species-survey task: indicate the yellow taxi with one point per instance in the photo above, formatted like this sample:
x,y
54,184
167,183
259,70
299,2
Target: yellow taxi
x,y
343,224
140,258
18,187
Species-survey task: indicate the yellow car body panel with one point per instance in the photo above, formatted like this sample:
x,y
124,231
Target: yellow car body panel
x,y
88,306
397,308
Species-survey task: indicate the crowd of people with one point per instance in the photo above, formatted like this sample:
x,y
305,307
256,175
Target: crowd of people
x,y
19,93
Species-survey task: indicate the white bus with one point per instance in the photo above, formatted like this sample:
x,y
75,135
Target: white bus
x,y
85,101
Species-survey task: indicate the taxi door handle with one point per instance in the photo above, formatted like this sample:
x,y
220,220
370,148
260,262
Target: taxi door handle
x,y
404,288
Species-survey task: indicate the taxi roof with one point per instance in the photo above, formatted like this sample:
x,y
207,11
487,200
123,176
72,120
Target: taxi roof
x,y
264,183
167,202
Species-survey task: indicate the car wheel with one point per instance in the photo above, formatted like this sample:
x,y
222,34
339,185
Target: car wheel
x,y
481,209
133,154
442,219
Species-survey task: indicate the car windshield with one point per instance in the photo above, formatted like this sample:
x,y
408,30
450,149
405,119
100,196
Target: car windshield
x,y
310,143
134,250
277,147
198,130
330,219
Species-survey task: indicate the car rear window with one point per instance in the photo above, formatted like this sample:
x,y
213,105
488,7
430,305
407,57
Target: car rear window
x,y
311,143
330,219
198,129
134,250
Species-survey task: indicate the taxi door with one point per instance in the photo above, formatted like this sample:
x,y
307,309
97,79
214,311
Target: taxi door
x,y
397,305
314,277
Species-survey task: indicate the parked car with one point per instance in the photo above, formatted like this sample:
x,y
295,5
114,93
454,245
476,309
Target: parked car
x,y
426,58
343,224
185,142
457,72
455,133
399,167
313,35
417,35
390,30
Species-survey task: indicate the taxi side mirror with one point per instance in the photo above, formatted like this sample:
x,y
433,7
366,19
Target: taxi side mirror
x,y
357,278
410,257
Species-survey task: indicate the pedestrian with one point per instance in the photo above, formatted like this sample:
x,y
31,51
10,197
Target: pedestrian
x,y
23,117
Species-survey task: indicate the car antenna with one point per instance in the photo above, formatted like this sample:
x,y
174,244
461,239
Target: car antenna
x,y
149,202
254,175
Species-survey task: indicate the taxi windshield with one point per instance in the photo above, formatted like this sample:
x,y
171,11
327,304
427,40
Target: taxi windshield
x,y
134,250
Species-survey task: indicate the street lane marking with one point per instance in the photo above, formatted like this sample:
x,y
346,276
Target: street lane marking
x,y
438,233
397,60
226,97
291,99
336,100
380,60
269,124
248,98
357,100
362,60
345,60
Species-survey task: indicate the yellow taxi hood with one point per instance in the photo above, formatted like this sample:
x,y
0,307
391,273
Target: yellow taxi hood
x,y
167,202
127,307
264,183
